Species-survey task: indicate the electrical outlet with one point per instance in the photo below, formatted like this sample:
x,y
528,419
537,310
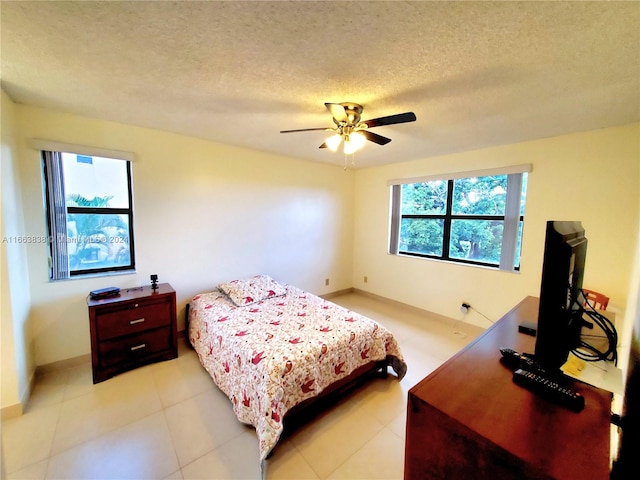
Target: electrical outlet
x,y
366,279
326,281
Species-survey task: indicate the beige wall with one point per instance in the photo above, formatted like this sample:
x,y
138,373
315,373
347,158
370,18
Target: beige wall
x,y
204,213
207,212
591,176
631,331
15,342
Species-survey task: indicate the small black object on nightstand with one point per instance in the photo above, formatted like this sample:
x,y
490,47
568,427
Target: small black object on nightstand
x,y
154,282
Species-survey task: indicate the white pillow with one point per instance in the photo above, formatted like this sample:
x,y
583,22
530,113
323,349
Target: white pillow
x,y
252,290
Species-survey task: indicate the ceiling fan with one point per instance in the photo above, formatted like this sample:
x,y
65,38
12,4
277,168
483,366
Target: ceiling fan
x,y
353,132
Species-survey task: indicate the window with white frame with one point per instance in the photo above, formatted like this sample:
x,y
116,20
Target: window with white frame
x,y
89,205
475,217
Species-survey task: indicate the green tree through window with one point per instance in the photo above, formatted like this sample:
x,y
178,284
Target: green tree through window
x,y
100,240
470,220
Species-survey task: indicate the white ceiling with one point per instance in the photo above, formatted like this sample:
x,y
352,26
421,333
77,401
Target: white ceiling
x,y
476,74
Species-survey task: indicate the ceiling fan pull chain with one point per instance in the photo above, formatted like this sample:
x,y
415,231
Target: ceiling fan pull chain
x,y
348,163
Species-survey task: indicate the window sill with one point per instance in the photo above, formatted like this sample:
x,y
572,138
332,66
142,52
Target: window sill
x,y
452,262
95,275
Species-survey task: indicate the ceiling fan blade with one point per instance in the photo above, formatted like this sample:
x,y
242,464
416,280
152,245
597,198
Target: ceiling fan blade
x,y
304,130
374,137
337,111
391,119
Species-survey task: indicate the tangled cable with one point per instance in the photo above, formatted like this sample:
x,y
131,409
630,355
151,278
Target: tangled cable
x,y
587,351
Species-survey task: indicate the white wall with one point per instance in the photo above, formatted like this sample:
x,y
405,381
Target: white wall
x,y
203,213
17,355
591,176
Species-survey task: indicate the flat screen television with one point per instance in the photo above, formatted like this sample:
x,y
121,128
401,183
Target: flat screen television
x,y
561,301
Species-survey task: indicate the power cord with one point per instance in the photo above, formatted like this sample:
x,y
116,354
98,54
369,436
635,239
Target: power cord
x,y
478,312
588,352
464,309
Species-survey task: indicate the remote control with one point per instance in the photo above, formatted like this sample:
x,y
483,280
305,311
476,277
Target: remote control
x,y
549,389
515,360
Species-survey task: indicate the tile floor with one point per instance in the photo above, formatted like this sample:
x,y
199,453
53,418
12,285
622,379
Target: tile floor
x,y
169,421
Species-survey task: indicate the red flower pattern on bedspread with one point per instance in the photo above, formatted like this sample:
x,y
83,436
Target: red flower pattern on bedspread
x,y
266,361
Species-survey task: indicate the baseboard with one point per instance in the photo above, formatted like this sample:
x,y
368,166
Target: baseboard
x,y
11,411
17,409
63,364
406,306
337,293
388,301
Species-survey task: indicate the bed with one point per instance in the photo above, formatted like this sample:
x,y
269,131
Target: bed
x,y
273,348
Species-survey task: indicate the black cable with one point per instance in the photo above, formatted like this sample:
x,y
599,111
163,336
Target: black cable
x,y
480,313
588,352
617,420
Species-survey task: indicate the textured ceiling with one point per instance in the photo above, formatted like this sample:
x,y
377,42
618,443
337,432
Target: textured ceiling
x,y
476,74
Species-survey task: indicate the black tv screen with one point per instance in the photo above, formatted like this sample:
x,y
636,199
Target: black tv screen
x,y
560,311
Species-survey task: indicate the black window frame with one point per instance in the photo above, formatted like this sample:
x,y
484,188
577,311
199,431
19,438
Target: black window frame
x,y
447,218
55,236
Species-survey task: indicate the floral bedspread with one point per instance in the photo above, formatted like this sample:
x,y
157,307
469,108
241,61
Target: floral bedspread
x,y
270,356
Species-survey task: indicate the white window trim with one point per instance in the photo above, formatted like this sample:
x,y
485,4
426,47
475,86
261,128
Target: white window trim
x,y
53,146
488,172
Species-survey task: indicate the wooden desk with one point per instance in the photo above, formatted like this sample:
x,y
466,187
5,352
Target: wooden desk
x,y
469,420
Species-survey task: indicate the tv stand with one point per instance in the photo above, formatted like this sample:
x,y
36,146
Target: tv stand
x,y
469,420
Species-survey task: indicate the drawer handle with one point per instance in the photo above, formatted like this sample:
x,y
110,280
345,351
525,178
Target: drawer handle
x,y
133,322
138,347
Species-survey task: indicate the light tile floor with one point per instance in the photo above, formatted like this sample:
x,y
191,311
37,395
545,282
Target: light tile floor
x,y
169,421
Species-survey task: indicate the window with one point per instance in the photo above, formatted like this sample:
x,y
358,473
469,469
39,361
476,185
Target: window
x,y
470,219
89,214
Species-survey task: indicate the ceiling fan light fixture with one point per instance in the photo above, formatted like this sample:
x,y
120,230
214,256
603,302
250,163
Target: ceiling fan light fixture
x,y
358,140
351,131
349,147
333,142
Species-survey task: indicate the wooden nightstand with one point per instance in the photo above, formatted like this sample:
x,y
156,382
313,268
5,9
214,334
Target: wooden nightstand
x,y
133,329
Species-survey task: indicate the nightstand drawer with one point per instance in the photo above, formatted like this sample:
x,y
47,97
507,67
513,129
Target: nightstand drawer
x,y
139,317
135,347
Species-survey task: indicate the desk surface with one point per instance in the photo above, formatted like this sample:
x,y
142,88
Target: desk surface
x,y
475,389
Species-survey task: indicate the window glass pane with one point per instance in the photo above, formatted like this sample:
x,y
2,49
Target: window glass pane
x,y
95,181
478,240
428,198
480,195
516,263
97,241
523,194
421,235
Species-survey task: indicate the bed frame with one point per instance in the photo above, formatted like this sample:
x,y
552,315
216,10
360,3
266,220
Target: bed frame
x,y
311,407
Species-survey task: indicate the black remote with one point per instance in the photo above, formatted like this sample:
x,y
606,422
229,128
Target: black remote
x,y
515,360
549,389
